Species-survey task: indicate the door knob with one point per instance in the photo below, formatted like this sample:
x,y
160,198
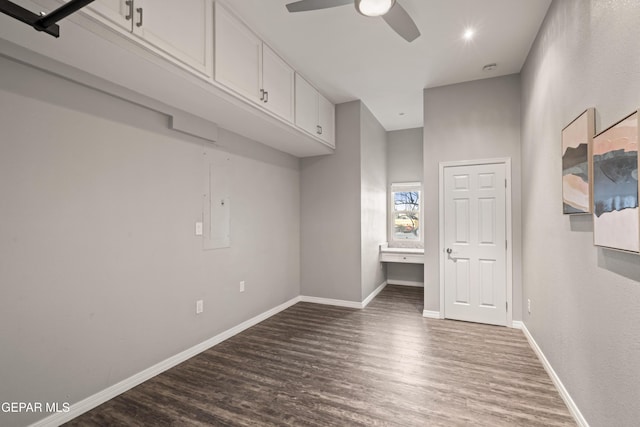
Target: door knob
x,y
449,251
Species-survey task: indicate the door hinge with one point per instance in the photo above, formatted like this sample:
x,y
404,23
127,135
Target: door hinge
x,y
505,183
506,304
505,244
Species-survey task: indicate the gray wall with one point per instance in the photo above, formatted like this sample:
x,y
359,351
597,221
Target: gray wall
x,y
397,273
330,192
584,300
404,155
344,210
373,194
404,164
99,265
466,121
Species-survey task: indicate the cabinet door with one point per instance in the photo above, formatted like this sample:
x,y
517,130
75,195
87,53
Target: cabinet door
x,y
113,12
182,29
278,83
327,120
306,106
238,55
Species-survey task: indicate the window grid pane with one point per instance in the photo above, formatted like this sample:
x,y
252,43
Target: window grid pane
x,y
406,223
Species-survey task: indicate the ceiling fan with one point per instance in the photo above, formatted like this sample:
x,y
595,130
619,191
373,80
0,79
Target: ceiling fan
x,y
390,10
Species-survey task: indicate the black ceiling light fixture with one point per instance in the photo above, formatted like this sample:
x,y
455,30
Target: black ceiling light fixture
x,y
45,22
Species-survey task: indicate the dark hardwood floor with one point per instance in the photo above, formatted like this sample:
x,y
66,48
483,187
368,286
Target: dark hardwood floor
x,y
315,365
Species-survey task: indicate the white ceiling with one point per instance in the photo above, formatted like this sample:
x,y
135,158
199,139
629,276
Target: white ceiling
x,y
348,56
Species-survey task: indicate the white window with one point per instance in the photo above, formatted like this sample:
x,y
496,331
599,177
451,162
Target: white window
x,y
406,214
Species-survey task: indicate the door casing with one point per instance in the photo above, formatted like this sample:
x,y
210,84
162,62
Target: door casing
x,y
509,233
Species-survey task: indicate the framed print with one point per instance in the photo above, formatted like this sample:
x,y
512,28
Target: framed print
x,y
577,140
616,220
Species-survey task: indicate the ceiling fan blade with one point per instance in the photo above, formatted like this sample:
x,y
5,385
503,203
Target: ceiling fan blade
x,y
401,22
305,5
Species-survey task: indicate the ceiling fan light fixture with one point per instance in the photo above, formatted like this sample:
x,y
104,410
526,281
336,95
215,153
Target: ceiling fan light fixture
x,y
374,7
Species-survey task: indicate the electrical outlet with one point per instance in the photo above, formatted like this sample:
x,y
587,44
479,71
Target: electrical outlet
x,y
199,306
529,305
242,286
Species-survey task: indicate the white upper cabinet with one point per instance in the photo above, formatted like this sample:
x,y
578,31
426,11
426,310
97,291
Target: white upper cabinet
x,y
314,113
277,84
116,12
327,120
306,106
226,74
182,29
238,55
246,65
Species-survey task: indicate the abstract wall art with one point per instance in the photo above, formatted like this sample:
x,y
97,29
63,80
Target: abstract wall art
x,y
616,218
577,140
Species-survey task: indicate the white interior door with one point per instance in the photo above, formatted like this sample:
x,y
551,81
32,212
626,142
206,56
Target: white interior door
x,y
475,253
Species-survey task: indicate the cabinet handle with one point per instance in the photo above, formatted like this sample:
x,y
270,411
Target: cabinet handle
x,y
261,94
139,23
266,96
318,130
129,4
320,127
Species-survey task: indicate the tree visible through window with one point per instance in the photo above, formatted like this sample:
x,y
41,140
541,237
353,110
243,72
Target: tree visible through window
x,y
406,212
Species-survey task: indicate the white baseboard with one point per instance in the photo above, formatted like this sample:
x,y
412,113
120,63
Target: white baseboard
x,y
431,314
405,283
373,294
344,303
99,398
329,301
571,405
517,324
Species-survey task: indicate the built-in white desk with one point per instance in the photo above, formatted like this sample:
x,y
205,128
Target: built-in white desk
x,y
406,255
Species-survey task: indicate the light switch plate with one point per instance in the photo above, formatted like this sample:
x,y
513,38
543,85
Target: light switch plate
x,y
199,228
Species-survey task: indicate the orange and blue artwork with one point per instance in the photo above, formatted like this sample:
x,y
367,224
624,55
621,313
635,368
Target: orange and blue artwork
x,y
576,168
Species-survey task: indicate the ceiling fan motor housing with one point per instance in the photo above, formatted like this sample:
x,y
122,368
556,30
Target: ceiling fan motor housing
x,y
391,12
374,7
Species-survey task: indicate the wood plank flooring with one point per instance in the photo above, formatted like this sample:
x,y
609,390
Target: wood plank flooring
x,y
314,365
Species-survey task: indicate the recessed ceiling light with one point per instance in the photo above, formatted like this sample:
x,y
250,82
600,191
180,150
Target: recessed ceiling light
x,y
468,34
490,67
